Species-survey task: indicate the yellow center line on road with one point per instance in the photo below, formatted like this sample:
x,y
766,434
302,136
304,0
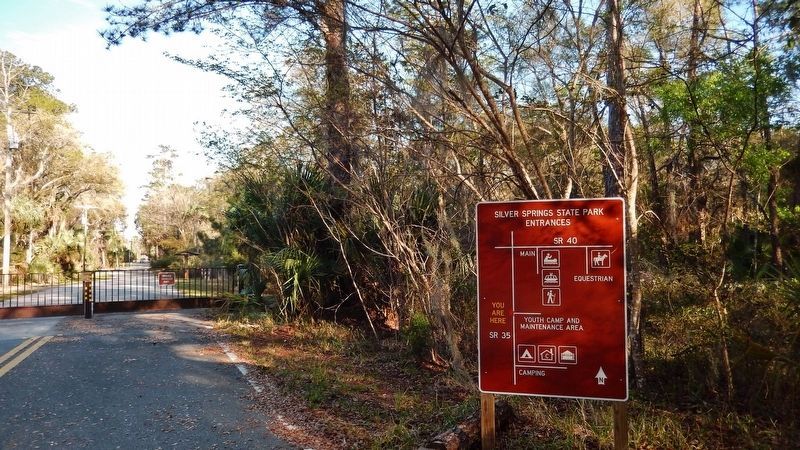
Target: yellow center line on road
x,y
13,363
14,350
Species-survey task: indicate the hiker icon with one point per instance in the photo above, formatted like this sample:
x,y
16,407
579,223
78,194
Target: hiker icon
x,y
551,297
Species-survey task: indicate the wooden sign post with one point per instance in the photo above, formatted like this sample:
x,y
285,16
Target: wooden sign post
x,y
620,425
487,422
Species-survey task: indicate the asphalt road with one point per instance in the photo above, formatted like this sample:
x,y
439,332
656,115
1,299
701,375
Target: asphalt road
x,y
14,332
129,381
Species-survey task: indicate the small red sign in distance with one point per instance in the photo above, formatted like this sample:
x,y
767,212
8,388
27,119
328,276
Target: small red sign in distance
x,y
552,299
166,278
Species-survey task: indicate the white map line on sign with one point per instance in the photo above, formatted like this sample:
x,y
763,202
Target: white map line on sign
x,y
513,247
541,367
553,247
538,248
513,308
513,277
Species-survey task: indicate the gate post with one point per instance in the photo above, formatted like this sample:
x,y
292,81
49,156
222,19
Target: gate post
x,y
88,300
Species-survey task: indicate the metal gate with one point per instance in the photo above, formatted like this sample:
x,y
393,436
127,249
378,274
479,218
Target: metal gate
x,y
131,289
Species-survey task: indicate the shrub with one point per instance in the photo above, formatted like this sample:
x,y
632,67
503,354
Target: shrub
x,y
419,335
167,262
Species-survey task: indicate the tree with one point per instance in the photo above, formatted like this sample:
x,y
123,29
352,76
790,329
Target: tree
x,y
785,15
49,173
72,180
25,88
621,174
327,17
171,217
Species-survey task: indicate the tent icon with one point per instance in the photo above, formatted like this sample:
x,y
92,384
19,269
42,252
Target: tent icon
x,y
526,354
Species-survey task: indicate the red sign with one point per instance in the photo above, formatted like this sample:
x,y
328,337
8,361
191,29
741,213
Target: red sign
x,y
166,278
551,298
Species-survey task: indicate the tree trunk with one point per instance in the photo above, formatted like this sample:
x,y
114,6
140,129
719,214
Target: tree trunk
x,y
722,320
762,116
659,200
29,250
636,307
341,153
669,205
774,227
694,160
467,434
622,178
613,170
7,198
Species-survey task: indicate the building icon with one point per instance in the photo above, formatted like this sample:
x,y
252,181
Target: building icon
x,y
567,354
547,354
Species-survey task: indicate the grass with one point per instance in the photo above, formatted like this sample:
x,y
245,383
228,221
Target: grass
x,y
373,394
199,287
576,424
367,394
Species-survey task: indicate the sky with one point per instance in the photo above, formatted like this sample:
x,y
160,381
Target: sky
x,y
131,98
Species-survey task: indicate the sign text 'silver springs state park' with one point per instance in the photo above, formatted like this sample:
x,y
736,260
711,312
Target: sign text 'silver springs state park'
x,y
551,298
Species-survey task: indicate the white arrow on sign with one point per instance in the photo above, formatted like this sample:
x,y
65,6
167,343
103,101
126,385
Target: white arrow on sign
x,y
601,376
